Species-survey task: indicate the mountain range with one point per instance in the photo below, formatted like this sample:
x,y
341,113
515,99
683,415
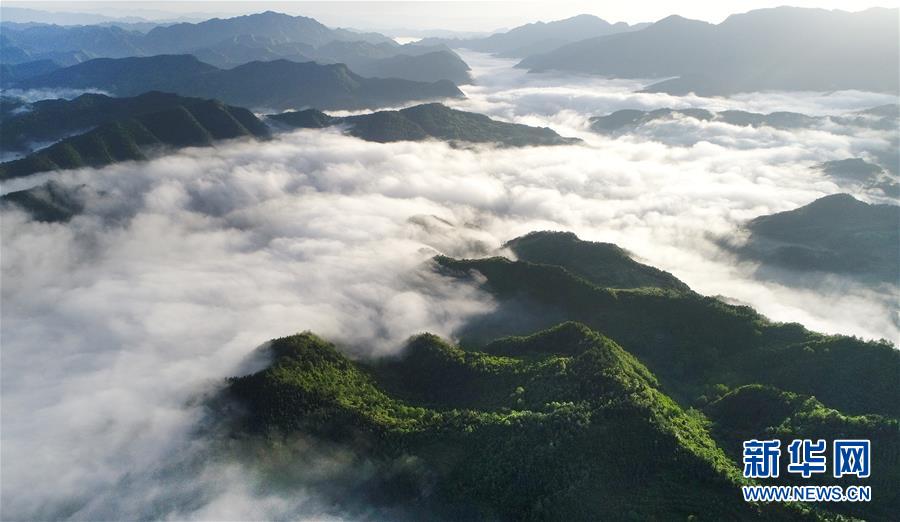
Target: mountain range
x,y
783,48
96,130
638,408
883,117
277,84
132,129
421,122
540,37
231,42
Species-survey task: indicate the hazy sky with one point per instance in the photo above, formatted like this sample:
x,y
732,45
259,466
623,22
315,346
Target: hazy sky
x,y
456,15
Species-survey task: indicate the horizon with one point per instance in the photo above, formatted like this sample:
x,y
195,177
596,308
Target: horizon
x,y
439,15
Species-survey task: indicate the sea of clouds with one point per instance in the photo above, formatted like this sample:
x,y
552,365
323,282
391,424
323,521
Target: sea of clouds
x,y
118,325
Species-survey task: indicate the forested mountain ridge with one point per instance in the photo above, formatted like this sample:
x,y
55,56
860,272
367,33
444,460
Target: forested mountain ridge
x,y
187,122
277,84
562,422
432,120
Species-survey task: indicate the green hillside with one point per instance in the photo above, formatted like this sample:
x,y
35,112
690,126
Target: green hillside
x,y
49,202
757,411
560,425
560,422
603,264
432,120
691,342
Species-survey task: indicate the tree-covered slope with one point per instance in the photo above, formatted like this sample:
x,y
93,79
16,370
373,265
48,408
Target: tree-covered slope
x,y
756,411
560,425
49,202
689,341
603,264
421,122
277,84
51,120
197,123
836,233
560,422
12,73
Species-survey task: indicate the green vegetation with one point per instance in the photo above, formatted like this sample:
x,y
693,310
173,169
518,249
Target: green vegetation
x,y
603,264
432,120
191,123
690,341
757,411
49,202
52,120
563,424
644,422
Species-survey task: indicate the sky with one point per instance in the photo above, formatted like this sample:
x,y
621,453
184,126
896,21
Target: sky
x,y
453,15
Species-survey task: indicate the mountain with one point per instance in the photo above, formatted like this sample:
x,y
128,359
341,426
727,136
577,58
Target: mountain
x,y
422,122
189,123
783,48
690,342
48,202
638,408
52,120
540,36
14,73
563,424
277,84
231,42
603,264
92,40
434,66
382,60
836,233
24,15
861,174
743,413
115,42
12,54
628,120
281,28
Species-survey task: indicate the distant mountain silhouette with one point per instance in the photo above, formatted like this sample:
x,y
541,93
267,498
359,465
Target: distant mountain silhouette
x,y
427,121
230,42
861,173
277,84
628,120
781,48
540,37
836,233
